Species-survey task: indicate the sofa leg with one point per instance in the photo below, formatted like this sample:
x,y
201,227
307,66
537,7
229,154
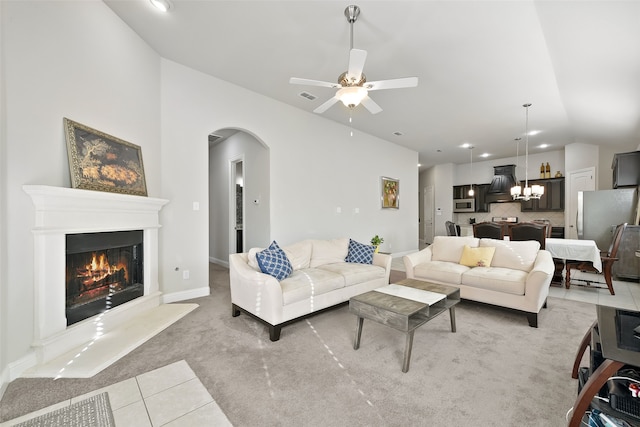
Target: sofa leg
x,y
545,304
533,319
274,332
235,311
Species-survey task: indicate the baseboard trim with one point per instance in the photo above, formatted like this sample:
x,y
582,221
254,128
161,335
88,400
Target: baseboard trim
x,y
219,262
186,295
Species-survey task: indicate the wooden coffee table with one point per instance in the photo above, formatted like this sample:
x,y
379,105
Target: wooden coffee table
x,y
405,306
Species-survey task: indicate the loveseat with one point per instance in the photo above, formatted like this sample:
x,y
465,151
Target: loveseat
x,y
320,277
513,274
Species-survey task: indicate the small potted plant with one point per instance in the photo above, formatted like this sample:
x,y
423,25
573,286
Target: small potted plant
x,y
377,241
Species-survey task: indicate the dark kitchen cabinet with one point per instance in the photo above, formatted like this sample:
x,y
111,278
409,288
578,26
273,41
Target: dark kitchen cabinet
x,y
461,191
481,197
552,199
626,169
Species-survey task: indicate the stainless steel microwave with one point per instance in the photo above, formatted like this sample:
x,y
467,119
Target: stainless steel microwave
x,y
464,205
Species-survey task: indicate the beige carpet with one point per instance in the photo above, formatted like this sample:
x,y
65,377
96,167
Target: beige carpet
x,y
495,370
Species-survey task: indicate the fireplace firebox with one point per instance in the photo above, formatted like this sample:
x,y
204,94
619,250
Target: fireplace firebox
x,y
103,270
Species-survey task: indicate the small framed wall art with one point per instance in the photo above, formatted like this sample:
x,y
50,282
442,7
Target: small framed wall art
x,y
390,189
102,162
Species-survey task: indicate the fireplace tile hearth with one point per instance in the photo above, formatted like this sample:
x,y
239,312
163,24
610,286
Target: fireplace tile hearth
x,y
94,356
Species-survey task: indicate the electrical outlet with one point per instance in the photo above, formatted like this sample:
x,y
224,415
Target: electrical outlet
x,y
185,274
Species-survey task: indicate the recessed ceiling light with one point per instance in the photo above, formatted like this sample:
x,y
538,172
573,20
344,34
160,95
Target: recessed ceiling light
x,y
419,165
485,155
161,5
543,145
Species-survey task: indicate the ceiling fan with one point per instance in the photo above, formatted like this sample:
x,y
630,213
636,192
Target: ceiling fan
x,y
353,87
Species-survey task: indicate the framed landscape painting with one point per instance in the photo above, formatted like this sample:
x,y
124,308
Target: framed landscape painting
x,y
390,193
102,162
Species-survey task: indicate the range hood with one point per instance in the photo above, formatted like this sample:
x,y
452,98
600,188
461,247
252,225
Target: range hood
x,y
504,177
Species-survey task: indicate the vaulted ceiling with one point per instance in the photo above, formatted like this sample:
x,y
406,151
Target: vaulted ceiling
x,y
577,62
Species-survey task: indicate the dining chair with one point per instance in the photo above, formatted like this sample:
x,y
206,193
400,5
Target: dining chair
x,y
491,230
608,259
546,222
452,228
529,231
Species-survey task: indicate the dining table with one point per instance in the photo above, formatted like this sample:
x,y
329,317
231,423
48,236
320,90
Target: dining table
x,y
572,249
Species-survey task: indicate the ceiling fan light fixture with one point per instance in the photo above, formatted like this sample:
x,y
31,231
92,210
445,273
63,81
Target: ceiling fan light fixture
x,y
352,96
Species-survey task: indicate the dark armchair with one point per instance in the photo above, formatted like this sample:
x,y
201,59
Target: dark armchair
x,y
608,258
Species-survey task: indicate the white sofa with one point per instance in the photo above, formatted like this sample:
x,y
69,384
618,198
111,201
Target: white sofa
x,y
518,276
320,279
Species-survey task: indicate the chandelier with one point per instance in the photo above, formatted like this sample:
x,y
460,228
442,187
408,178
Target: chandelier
x,y
535,191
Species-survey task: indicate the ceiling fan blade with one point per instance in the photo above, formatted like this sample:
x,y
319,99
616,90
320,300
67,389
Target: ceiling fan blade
x,y
357,57
370,105
392,84
328,104
308,82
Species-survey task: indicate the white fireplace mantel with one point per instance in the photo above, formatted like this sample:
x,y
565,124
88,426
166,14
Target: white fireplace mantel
x,y
61,211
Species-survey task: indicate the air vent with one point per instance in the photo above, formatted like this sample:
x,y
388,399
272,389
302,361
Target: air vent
x,y
307,95
398,133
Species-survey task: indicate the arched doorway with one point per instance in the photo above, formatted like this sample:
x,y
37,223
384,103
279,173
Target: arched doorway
x,y
239,214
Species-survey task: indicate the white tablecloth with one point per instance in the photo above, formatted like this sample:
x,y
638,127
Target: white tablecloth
x,y
581,250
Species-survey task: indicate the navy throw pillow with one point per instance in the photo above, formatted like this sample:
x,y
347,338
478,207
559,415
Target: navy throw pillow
x,y
274,262
360,253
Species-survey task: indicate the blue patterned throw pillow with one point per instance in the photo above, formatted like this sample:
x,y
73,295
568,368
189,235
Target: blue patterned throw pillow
x,y
274,262
360,253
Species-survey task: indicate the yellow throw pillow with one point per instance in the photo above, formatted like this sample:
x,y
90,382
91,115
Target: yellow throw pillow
x,y
477,257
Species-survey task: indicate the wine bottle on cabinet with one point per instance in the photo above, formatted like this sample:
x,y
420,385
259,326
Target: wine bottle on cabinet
x,y
542,170
547,173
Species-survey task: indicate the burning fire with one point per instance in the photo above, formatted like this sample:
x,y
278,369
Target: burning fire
x,y
99,269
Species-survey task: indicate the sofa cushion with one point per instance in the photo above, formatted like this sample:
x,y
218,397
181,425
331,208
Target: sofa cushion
x,y
519,255
499,279
449,248
274,262
299,254
328,251
355,273
305,283
477,257
252,261
360,253
442,271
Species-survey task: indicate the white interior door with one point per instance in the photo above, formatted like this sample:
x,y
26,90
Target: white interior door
x,y
428,214
580,180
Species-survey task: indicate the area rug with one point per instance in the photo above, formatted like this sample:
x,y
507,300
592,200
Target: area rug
x,y
94,411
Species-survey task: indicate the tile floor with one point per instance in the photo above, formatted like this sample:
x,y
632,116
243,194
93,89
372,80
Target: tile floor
x,y
171,396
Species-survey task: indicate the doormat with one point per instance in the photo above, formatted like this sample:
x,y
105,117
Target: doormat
x,y
94,411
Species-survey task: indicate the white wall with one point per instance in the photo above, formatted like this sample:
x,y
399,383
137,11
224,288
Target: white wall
x,y
315,167
63,59
4,318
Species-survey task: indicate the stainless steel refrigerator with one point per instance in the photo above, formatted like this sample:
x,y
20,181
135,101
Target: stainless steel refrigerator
x,y
598,214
